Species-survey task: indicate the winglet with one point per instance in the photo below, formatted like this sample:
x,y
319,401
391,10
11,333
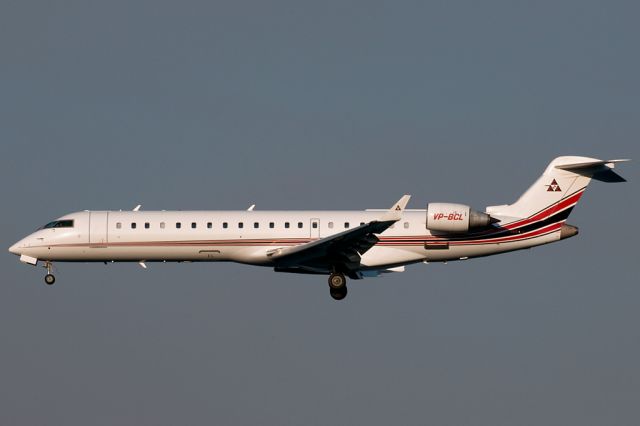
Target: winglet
x,y
620,160
395,212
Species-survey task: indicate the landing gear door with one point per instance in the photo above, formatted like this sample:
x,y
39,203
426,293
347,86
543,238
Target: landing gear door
x,y
98,228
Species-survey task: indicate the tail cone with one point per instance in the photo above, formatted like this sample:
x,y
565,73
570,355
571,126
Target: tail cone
x,y
568,231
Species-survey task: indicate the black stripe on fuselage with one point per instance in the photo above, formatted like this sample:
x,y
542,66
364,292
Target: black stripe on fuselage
x,y
503,232
558,217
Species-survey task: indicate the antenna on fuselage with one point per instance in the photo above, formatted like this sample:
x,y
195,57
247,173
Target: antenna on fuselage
x,y
251,207
136,208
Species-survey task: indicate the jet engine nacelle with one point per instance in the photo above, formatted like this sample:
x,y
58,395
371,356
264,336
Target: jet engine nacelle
x,y
450,217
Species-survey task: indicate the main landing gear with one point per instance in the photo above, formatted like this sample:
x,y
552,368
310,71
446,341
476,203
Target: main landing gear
x,y
49,279
337,286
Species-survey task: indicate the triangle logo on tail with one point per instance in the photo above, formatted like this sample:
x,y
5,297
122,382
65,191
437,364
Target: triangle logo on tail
x,y
553,187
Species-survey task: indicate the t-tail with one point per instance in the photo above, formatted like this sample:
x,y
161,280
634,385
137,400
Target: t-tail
x,y
549,201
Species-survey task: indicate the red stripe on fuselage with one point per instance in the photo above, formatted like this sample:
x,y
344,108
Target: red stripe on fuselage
x,y
548,211
384,241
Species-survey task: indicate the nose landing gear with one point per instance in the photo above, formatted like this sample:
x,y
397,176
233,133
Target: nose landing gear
x,y
49,279
337,286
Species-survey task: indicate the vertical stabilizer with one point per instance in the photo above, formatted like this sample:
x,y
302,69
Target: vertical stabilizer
x,y
560,186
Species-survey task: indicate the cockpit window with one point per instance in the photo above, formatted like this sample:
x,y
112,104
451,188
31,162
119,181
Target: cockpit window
x,y
59,224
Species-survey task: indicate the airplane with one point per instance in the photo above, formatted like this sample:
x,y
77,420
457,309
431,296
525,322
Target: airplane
x,y
340,244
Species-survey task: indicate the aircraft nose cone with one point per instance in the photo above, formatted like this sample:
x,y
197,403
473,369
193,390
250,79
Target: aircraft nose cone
x,y
15,249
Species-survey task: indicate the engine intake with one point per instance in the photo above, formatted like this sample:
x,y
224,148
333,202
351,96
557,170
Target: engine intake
x,y
450,217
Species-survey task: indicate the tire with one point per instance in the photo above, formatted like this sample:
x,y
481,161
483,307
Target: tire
x,y
337,281
338,293
49,279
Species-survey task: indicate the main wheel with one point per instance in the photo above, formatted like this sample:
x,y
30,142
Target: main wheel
x,y
49,279
338,293
337,281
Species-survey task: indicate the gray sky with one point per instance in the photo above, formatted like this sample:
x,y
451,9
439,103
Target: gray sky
x,y
318,105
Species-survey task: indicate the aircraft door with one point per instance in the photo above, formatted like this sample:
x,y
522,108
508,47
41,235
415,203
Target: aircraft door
x,y
98,228
314,227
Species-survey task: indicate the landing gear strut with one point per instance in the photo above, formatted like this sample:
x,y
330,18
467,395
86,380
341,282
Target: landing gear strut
x,y
337,286
49,279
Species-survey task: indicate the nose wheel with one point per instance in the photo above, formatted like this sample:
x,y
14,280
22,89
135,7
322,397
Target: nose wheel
x,y
337,286
49,279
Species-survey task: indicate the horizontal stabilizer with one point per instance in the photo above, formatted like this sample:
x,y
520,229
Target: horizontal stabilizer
x,y
608,176
590,164
598,169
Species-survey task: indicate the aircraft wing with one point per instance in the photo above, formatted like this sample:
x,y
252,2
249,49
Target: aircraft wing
x,y
342,250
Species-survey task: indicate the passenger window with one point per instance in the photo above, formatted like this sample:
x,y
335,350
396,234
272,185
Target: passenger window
x,y
286,225
146,225
299,224
209,225
256,225
133,225
346,224
240,225
406,225
118,225
193,225
330,225
272,225
161,225
225,225
178,225
315,225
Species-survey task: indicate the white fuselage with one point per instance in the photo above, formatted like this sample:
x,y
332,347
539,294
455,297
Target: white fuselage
x,y
340,244
251,236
